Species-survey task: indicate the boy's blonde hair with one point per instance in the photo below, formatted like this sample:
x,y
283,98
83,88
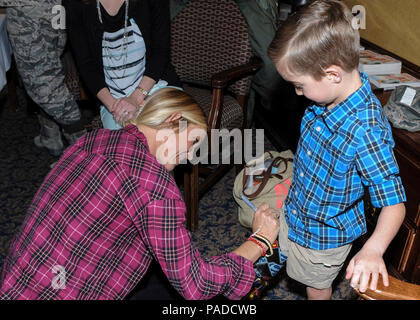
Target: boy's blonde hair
x,y
316,37
163,103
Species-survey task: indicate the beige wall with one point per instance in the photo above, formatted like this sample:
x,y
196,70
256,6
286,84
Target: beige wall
x,y
393,25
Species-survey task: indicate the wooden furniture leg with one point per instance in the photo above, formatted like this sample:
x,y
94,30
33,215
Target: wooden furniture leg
x,y
191,196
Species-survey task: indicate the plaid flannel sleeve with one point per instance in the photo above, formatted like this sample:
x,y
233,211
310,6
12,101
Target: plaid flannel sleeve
x,y
192,276
379,169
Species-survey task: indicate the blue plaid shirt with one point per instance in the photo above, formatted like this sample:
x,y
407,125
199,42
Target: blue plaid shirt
x,y
340,152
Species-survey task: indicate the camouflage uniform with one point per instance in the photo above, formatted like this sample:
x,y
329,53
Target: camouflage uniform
x,y
37,48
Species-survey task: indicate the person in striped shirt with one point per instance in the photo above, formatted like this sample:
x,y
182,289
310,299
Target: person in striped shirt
x,y
110,207
122,49
345,146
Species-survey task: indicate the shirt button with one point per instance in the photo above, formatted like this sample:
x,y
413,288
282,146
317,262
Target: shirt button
x,y
301,174
296,193
318,128
294,211
309,153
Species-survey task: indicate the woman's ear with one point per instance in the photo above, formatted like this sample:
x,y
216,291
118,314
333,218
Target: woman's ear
x,y
334,73
173,117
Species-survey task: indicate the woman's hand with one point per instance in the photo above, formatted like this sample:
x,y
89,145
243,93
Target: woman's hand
x,y
266,222
123,110
136,97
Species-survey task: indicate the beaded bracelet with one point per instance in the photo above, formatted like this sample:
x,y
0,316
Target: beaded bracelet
x,y
266,242
140,107
263,251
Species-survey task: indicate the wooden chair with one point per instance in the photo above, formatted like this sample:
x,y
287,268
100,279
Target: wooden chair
x,y
397,290
212,55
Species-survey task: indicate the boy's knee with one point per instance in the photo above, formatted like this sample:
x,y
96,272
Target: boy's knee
x,y
318,294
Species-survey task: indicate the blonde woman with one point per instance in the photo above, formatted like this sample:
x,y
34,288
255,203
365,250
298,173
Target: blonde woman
x,y
110,207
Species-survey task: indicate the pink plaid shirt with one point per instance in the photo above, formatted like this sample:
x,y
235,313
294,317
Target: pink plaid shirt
x,y
101,215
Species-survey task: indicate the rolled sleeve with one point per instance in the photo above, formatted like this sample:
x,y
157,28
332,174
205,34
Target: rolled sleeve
x,y
378,168
193,276
242,276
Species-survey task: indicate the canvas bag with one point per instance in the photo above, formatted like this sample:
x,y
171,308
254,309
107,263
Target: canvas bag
x,y
266,179
403,108
263,181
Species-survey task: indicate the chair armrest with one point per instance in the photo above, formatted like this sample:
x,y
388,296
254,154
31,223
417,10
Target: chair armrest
x,y
397,290
221,79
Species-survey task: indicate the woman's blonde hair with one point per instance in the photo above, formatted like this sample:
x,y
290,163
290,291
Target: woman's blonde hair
x,y
163,103
316,37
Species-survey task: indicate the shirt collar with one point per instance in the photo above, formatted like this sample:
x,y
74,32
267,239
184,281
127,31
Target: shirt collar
x,y
336,116
132,129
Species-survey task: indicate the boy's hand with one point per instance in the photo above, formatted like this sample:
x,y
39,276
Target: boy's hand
x,y
367,263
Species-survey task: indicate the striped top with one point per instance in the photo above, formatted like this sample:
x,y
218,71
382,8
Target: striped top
x,y
341,152
124,60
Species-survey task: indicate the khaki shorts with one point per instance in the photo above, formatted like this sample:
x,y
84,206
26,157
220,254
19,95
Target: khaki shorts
x,y
314,268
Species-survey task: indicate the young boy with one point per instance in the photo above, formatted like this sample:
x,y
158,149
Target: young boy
x,y
345,146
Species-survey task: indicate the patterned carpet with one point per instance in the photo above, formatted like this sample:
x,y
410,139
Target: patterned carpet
x,y
24,166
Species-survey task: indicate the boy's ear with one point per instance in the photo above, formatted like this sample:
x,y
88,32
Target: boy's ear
x,y
334,73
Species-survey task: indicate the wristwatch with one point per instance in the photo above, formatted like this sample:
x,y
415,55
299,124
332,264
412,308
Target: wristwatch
x,y
143,91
